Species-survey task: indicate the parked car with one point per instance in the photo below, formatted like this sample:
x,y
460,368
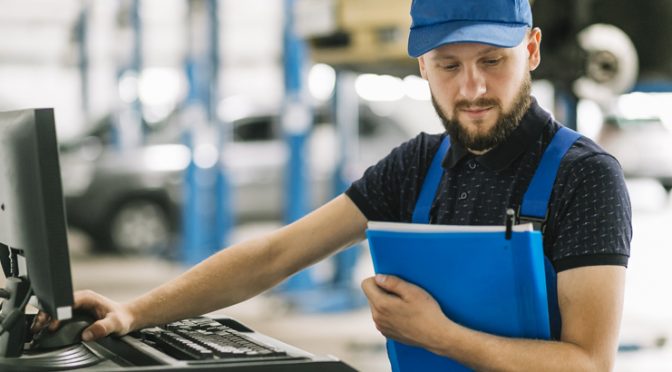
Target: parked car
x,y
131,201
643,146
117,200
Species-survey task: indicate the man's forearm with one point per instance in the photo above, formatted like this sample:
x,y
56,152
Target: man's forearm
x,y
228,277
246,269
486,352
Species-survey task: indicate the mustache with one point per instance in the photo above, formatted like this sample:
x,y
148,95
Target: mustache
x,y
480,102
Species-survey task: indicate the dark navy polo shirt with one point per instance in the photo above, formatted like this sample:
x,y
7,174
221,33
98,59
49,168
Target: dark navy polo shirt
x,y
589,220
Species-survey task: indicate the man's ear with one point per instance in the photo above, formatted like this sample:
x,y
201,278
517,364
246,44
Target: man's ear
x,y
534,48
421,64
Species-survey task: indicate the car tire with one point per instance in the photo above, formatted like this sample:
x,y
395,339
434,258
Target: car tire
x,y
140,226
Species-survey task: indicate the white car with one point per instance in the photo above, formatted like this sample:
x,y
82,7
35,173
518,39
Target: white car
x,y
131,202
642,146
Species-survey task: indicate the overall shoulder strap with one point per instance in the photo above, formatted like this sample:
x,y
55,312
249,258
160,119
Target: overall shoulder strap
x,y
534,207
430,185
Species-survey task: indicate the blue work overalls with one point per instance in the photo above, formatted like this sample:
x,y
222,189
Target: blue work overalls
x,y
534,207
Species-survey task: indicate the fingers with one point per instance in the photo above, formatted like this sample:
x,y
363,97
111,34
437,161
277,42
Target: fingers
x,y
399,287
109,314
389,283
112,317
98,329
54,325
91,301
43,320
379,299
40,321
371,290
87,300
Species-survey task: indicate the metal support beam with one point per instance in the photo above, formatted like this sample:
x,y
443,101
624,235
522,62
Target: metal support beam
x,y
566,103
207,215
296,123
224,220
82,31
129,129
296,119
346,115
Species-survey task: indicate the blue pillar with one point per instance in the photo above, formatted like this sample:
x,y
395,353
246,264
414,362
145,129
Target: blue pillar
x,y
224,220
567,103
296,120
342,293
194,217
302,290
346,115
296,123
207,215
192,245
129,130
82,31
136,62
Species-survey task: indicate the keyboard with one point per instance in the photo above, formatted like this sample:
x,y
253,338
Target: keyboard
x,y
206,339
205,345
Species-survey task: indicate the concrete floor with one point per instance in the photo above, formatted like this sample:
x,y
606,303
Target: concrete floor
x,y
351,336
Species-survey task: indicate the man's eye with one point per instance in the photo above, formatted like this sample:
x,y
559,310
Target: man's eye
x,y
491,62
450,67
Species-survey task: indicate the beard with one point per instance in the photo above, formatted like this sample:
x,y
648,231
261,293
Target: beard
x,y
506,122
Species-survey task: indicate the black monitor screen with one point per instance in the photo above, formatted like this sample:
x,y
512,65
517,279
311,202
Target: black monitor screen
x,y
32,215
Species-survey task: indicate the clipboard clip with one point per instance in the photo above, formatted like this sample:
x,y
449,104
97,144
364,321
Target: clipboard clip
x,y
538,224
510,218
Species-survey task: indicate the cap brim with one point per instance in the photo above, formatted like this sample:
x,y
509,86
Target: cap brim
x,y
423,39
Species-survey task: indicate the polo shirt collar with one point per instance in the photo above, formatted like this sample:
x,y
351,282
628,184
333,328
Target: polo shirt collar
x,y
499,158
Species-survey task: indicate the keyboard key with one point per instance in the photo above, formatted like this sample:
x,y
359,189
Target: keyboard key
x,y
203,338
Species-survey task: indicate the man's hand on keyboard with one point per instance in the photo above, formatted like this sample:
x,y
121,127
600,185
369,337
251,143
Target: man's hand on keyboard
x,y
113,317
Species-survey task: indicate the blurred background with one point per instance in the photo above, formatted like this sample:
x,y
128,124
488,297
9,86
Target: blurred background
x,y
189,125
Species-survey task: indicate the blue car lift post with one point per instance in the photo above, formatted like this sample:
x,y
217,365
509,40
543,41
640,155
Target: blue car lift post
x,y
296,122
128,129
82,34
347,293
207,215
303,291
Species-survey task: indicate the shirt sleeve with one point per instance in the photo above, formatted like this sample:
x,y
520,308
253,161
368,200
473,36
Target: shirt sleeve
x,y
591,221
388,189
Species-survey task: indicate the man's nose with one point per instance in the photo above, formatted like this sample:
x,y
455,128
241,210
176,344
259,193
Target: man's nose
x,y
472,84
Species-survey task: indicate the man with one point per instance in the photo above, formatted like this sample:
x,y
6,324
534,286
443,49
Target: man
x,y
477,56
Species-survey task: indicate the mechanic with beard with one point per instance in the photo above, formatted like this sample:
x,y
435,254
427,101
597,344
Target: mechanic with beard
x,y
477,56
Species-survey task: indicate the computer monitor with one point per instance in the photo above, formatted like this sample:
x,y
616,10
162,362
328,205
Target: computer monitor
x,y
33,236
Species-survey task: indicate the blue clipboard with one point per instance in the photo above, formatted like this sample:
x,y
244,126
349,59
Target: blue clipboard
x,y
479,278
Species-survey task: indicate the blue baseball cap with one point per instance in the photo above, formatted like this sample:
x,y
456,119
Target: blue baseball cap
x,y
502,23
